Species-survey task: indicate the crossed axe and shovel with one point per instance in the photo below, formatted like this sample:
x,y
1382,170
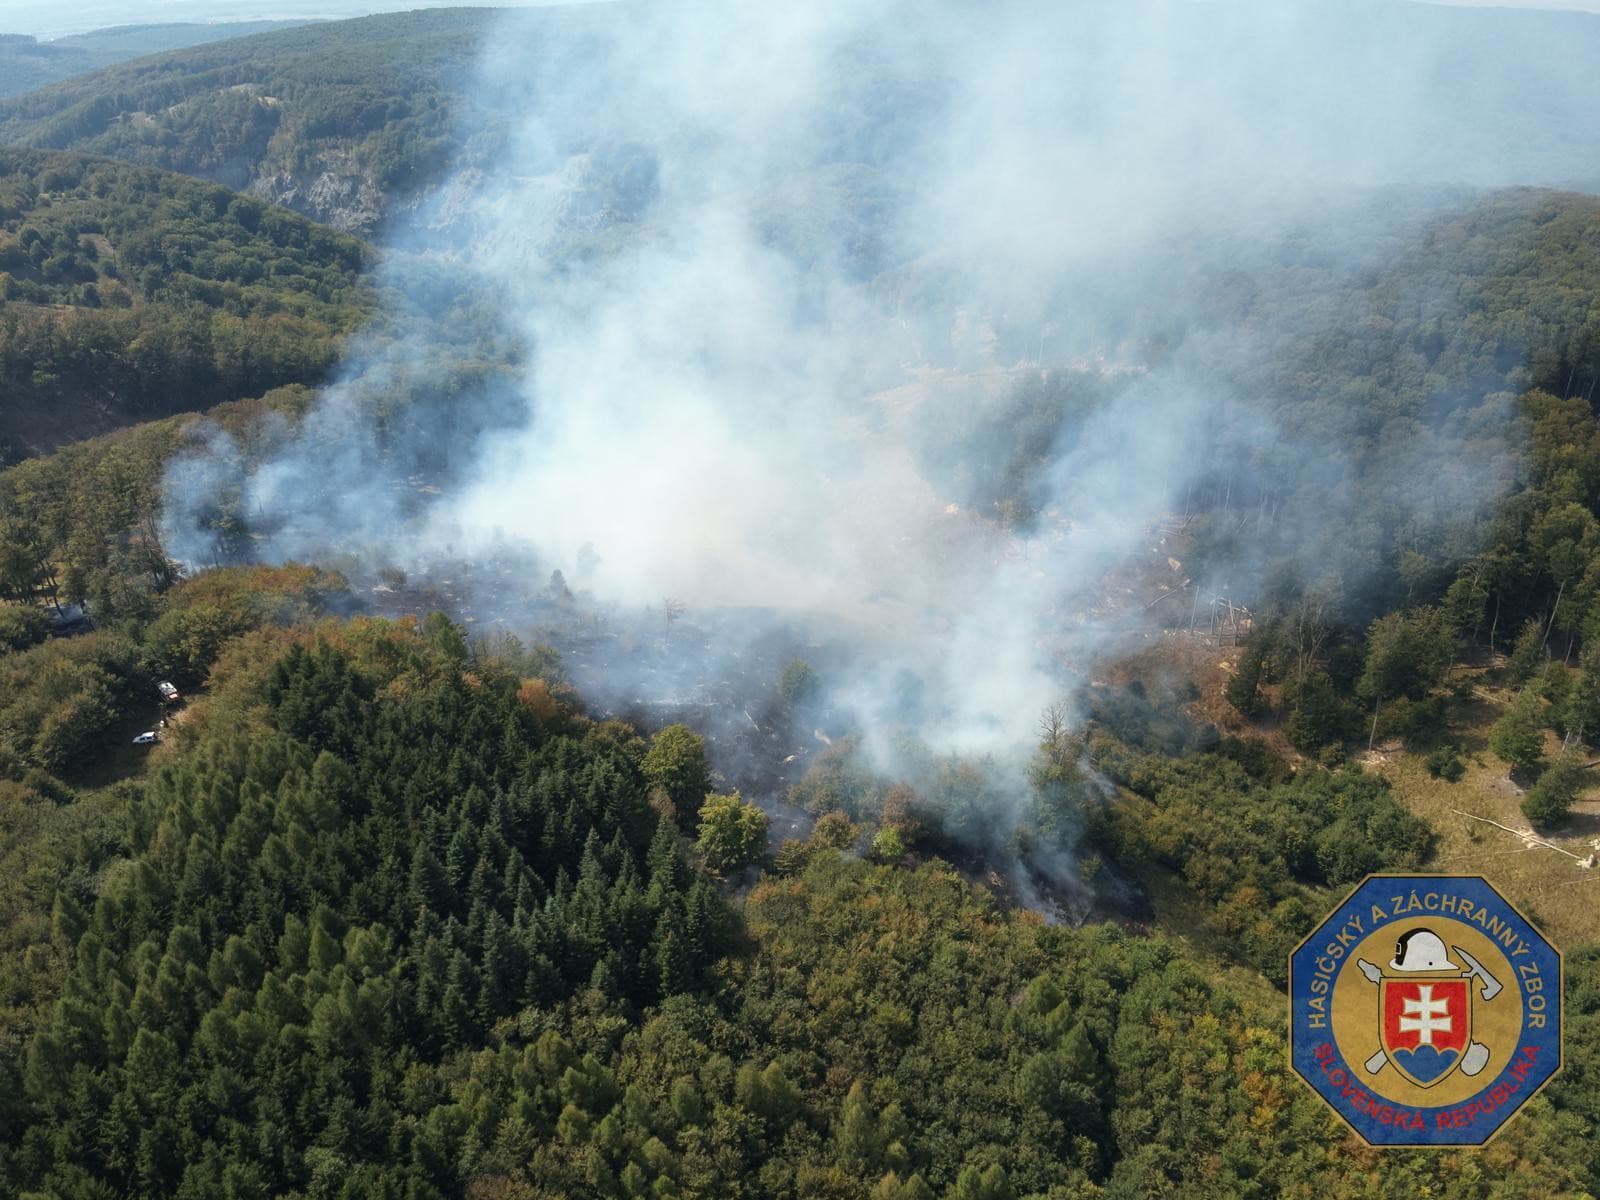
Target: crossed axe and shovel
x,y
1477,1054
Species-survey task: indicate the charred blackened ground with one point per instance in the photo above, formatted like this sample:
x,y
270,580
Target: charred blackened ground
x,y
802,750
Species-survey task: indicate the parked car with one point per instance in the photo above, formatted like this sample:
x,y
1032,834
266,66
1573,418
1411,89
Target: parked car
x,y
168,692
147,738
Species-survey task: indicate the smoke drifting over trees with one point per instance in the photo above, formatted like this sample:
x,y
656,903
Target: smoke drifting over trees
x,y
919,318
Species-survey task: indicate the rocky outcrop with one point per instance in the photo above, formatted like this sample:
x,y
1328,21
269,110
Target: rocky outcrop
x,y
339,193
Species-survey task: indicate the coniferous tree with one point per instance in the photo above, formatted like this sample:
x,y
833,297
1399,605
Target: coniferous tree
x,y
1581,718
1244,685
1316,716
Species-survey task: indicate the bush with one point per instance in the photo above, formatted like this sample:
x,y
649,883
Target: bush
x,y
22,625
1417,722
1518,736
1550,800
1444,763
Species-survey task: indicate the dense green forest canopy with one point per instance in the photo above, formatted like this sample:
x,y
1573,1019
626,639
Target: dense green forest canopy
x,y
26,63
128,293
391,922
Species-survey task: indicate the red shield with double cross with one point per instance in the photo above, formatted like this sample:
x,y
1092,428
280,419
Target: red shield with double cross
x,y
1426,1024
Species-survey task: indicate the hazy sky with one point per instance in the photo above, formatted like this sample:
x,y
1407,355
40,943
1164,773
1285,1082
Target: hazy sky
x,y
1564,5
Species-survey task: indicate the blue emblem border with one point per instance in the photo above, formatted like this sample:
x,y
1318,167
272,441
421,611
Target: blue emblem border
x,y
1329,1075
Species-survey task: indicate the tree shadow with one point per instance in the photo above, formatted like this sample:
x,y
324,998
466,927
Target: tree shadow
x,y
1579,825
1526,777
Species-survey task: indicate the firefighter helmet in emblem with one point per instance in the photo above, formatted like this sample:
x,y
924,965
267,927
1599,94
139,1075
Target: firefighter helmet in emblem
x,y
1425,1010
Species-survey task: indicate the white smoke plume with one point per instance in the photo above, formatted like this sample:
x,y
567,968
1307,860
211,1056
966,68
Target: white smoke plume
x,y
779,273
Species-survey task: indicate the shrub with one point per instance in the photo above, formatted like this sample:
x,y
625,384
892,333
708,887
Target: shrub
x,y
22,625
1550,799
1444,763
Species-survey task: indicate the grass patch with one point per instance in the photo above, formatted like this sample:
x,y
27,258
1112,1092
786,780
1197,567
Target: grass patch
x,y
1553,889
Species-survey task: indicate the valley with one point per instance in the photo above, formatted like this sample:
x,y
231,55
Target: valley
x,y
780,604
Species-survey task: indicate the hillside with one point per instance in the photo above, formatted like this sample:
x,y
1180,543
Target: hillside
x,y
389,915
812,618
331,119
1521,263
1406,357
26,63
131,293
349,121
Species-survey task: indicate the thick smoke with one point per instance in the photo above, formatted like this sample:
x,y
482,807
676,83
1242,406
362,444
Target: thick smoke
x,y
784,278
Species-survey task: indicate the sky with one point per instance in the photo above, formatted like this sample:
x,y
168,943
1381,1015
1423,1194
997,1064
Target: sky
x,y
1551,5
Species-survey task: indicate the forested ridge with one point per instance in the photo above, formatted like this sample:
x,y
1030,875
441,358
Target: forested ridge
x,y
370,891
1363,621
1420,354
127,294
399,920
350,121
366,107
26,63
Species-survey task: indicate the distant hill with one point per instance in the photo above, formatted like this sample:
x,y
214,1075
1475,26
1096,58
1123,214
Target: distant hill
x,y
128,293
352,121
331,119
51,19
27,63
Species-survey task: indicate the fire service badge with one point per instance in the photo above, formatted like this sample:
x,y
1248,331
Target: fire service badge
x,y
1425,1010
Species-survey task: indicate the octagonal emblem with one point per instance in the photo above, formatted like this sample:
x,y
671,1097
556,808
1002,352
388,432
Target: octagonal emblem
x,y
1426,1010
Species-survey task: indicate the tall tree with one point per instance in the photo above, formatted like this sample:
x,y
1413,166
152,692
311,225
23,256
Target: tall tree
x,y
1518,736
676,763
732,832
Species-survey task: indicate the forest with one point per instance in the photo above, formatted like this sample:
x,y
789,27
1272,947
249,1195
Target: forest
x,y
399,919
391,907
252,112
27,63
130,294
